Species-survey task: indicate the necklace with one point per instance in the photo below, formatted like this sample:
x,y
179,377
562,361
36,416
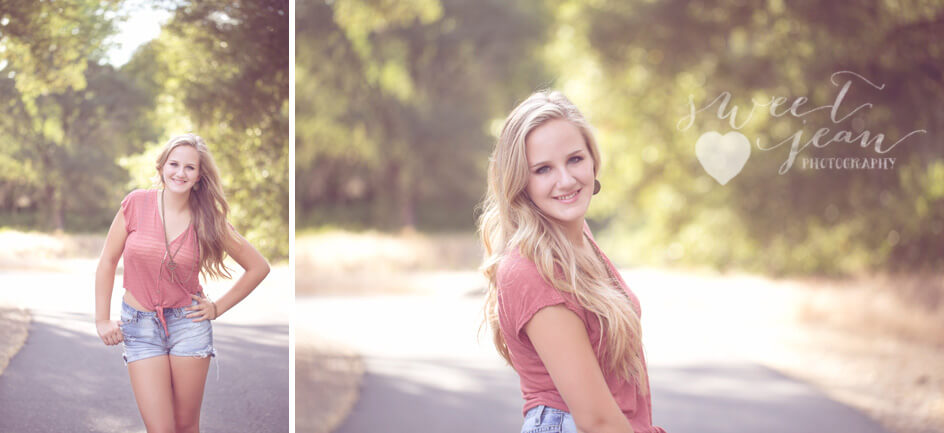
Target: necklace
x,y
171,264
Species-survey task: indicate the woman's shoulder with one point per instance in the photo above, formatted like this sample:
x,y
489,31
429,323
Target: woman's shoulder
x,y
513,262
139,198
523,289
140,193
516,270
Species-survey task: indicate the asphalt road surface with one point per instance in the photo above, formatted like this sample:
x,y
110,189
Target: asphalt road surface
x,y
428,372
65,380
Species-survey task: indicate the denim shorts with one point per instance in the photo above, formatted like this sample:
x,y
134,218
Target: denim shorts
x,y
144,335
543,419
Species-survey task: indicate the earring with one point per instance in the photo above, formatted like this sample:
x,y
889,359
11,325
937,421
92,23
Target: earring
x,y
196,186
596,186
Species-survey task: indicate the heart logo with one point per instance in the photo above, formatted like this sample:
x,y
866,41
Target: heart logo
x,y
722,157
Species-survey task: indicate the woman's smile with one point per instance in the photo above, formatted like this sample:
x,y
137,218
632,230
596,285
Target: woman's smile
x,y
569,198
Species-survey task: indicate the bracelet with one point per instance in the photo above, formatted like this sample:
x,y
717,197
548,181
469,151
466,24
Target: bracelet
x,y
215,314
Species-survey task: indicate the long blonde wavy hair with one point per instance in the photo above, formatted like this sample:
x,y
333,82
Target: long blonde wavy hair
x,y
510,220
208,207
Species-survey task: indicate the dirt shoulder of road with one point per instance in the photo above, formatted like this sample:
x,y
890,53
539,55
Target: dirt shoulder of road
x,y
875,343
14,322
899,384
328,378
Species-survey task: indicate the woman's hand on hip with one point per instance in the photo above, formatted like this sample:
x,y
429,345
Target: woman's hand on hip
x,y
109,332
204,310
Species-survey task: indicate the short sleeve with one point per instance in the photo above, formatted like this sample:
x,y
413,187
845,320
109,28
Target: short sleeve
x,y
523,292
129,208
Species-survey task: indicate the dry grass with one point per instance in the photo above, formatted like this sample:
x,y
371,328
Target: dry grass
x,y
327,383
50,252
15,324
897,306
371,263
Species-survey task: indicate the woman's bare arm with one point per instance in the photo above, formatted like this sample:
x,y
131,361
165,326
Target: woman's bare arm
x,y
108,330
256,268
561,340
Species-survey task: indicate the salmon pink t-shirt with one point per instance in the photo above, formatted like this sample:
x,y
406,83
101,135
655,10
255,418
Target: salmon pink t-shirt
x,y
522,292
145,255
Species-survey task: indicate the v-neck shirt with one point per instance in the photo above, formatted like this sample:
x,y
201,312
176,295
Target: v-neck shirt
x,y
145,254
522,292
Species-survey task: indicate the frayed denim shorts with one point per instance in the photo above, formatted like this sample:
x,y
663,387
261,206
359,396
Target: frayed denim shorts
x,y
144,336
543,419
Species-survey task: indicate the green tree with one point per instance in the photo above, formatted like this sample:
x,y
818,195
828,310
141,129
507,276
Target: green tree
x,y
654,55
45,45
67,115
221,69
78,133
394,102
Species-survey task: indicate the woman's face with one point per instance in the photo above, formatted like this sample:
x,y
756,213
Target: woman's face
x,y
561,178
182,169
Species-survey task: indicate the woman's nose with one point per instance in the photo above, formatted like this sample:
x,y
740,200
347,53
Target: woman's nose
x,y
566,178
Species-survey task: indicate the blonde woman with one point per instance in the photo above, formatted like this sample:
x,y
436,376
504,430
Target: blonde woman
x,y
561,314
169,237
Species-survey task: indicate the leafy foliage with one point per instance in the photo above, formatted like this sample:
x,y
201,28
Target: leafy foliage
x,y
804,220
79,134
393,99
376,107
228,64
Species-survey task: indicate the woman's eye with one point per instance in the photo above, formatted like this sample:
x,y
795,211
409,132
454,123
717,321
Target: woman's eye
x,y
542,170
576,159
173,164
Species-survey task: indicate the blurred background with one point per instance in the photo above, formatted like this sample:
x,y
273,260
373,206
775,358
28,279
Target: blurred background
x,y
399,104
93,89
90,91
398,107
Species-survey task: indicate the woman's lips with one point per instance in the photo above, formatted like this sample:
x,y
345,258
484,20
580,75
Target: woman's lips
x,y
569,198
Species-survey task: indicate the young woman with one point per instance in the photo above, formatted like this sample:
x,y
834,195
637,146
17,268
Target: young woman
x,y
168,237
561,314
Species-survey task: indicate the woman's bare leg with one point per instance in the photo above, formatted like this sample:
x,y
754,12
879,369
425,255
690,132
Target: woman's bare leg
x,y
151,383
189,377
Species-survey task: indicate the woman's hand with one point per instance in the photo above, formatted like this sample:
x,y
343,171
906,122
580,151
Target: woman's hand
x,y
109,332
204,310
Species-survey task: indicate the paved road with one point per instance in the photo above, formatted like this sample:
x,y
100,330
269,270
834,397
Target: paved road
x,y
65,380
426,371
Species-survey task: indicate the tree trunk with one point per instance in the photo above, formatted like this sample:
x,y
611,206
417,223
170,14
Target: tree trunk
x,y
53,204
407,210
59,210
406,201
